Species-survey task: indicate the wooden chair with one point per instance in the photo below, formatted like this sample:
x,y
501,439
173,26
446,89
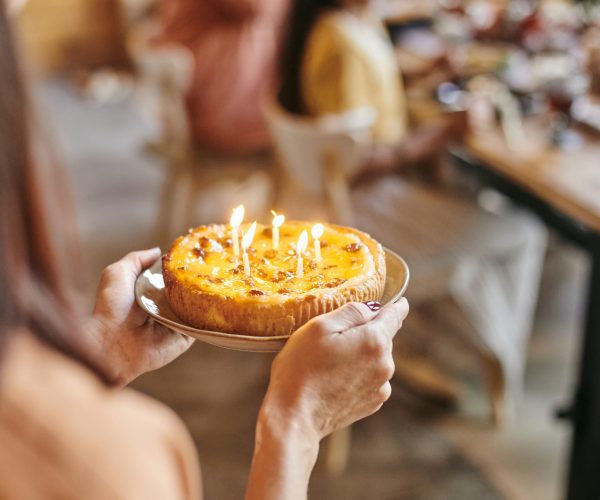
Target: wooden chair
x,y
316,158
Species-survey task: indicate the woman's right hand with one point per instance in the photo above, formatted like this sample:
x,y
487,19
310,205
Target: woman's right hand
x,y
332,372
336,369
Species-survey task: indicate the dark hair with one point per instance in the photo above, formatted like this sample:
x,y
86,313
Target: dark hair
x,y
301,19
38,251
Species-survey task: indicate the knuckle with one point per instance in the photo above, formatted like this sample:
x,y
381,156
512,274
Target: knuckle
x,y
357,312
382,335
131,258
375,345
388,368
114,270
384,371
384,393
319,326
109,271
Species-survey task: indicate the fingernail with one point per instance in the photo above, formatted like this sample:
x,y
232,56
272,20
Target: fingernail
x,y
373,305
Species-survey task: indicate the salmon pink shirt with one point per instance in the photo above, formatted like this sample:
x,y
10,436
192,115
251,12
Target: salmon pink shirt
x,y
234,43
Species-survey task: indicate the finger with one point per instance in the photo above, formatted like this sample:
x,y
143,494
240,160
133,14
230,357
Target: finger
x,y
136,262
390,318
164,332
348,316
163,339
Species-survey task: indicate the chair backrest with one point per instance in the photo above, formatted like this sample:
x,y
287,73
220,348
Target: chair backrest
x,y
318,155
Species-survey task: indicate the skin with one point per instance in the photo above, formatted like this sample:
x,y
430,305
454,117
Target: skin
x,y
127,337
420,145
333,371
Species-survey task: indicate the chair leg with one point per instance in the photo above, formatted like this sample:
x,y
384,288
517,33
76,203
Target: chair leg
x,y
494,379
337,191
336,451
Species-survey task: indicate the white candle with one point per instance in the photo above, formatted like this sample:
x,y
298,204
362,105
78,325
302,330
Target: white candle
x,y
300,248
317,232
246,264
235,221
278,221
246,242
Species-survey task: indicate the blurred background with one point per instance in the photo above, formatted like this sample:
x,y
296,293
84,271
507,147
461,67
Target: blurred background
x,y
443,128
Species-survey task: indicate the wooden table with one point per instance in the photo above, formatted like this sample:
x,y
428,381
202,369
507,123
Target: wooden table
x,y
564,190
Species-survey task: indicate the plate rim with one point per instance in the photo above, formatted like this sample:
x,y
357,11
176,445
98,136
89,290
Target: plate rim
x,y
193,332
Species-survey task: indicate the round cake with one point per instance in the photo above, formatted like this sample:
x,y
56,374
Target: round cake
x,y
209,288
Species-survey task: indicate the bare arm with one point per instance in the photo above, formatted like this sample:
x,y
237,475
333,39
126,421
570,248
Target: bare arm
x,y
417,147
333,371
284,457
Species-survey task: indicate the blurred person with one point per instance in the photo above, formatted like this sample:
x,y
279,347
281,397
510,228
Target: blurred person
x,y
337,57
66,429
233,44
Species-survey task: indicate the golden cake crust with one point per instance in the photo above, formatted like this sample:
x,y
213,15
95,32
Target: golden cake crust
x,y
244,313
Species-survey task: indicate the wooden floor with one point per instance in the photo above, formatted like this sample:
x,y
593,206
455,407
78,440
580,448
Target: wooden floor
x,y
407,451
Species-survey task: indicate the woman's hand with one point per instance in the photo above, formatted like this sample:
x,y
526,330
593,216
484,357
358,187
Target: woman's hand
x,y
336,369
333,371
130,341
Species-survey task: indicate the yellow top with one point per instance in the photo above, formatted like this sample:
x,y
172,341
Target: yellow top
x,y
203,259
349,62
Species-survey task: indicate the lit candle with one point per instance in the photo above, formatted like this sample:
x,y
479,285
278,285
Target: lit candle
x,y
300,248
246,242
317,232
278,221
236,219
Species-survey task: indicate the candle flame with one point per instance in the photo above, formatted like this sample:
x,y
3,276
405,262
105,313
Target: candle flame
x,y
248,237
302,243
237,216
317,231
278,219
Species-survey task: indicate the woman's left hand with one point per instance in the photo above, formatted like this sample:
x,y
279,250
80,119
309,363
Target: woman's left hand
x,y
131,342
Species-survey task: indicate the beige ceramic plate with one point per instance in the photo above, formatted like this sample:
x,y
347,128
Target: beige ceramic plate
x,y
150,295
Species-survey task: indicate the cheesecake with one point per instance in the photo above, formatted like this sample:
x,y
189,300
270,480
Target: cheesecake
x,y
208,287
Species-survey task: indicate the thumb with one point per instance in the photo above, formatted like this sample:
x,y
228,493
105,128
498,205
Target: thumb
x,y
136,262
348,316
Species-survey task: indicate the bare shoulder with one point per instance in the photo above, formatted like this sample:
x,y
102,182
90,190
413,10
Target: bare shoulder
x,y
54,412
